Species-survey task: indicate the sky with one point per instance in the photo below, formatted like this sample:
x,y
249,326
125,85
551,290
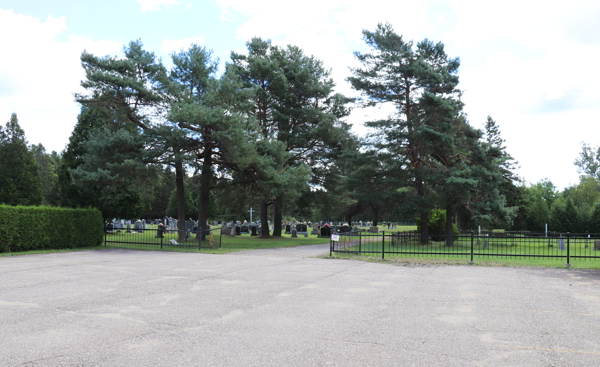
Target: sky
x,y
531,65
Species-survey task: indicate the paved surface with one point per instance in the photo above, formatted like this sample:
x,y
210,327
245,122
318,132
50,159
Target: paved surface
x,y
128,308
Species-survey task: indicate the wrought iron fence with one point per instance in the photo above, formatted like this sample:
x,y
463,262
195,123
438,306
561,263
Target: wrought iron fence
x,y
565,246
155,235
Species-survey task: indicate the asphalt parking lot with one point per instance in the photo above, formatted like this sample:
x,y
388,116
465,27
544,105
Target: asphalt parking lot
x,y
285,308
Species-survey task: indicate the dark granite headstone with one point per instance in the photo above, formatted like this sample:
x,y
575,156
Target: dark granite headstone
x,y
325,232
253,229
238,230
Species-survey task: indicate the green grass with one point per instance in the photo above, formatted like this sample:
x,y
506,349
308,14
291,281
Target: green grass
x,y
227,243
497,252
7,254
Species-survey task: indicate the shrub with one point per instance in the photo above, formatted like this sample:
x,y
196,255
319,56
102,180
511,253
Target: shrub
x,y
436,224
24,228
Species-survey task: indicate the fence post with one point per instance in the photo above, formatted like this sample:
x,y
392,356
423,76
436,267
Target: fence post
x,y
330,245
220,238
359,242
161,239
568,248
104,234
383,246
471,246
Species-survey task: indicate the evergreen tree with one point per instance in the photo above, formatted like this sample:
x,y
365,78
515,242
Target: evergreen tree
x,y
571,219
293,103
19,172
595,220
210,111
137,89
71,195
113,174
399,73
48,175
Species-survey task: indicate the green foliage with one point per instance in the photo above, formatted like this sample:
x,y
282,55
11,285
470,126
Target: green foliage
x,y
437,223
191,205
48,170
595,220
40,228
19,173
588,162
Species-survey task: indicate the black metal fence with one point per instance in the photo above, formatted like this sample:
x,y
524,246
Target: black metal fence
x,y
163,236
469,246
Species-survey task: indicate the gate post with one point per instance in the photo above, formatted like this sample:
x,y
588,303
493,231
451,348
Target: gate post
x,y
568,250
360,242
330,245
383,246
471,246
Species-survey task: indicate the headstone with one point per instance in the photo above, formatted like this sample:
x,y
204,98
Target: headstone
x,y
244,229
325,232
294,232
561,243
173,242
189,225
238,230
597,245
288,229
305,234
315,229
485,243
374,229
345,229
253,229
225,231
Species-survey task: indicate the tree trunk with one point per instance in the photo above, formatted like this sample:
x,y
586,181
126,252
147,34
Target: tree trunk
x,y
278,217
375,217
264,220
449,215
179,187
350,221
204,197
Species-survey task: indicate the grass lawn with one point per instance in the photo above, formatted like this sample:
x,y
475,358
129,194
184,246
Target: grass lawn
x,y
6,254
487,251
227,243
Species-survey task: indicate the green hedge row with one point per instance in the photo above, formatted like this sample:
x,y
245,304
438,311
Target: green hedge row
x,y
26,228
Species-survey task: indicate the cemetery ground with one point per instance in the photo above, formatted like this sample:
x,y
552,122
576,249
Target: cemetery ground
x,y
278,307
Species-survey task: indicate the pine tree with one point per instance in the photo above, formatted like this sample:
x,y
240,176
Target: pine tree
x,y
19,172
293,103
209,110
398,72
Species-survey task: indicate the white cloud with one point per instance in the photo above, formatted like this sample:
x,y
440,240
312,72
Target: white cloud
x,y
530,64
146,5
168,46
38,75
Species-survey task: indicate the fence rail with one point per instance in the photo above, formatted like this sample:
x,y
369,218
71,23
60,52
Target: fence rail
x,y
163,237
565,246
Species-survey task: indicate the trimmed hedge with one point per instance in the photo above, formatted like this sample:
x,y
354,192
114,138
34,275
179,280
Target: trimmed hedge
x,y
26,228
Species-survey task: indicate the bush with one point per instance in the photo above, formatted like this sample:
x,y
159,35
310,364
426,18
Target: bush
x,y
24,228
436,224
